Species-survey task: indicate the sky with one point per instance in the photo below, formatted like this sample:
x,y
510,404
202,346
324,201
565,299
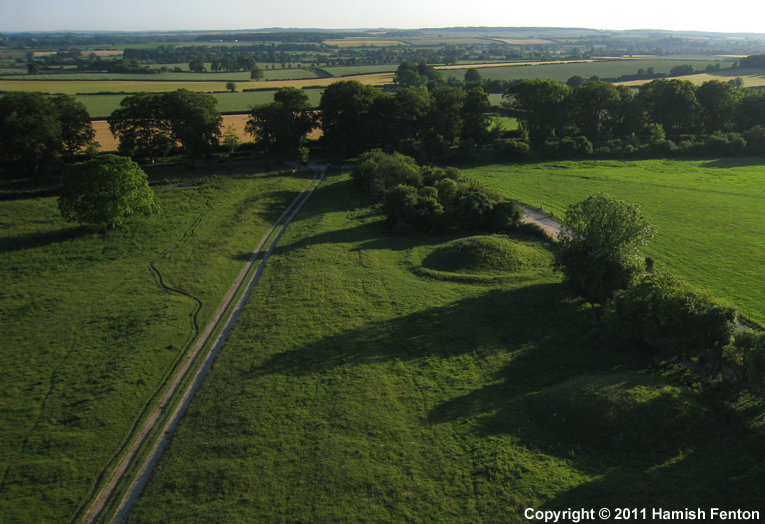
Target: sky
x,y
171,15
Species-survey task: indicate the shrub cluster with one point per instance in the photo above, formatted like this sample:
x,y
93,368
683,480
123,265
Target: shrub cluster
x,y
431,199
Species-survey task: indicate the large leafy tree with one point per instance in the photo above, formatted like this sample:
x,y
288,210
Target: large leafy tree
x,y
30,133
717,102
475,121
595,107
193,119
671,104
105,192
539,107
597,251
141,126
76,130
347,119
281,126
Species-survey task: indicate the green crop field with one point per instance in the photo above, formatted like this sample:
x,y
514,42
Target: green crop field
x,y
386,378
101,106
89,332
187,76
710,214
600,68
339,71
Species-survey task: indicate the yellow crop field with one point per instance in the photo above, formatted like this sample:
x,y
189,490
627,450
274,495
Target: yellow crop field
x,y
749,80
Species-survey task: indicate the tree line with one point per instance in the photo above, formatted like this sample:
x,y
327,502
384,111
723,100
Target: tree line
x,y
654,313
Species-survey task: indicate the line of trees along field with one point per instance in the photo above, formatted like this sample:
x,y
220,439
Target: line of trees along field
x,y
425,118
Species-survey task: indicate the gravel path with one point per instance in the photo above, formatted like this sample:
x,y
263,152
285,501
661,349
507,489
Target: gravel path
x,y
550,226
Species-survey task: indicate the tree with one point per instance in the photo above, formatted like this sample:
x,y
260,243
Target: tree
x,y
475,121
281,126
347,120
256,73
538,106
33,68
594,106
597,250
193,119
230,140
671,104
472,77
105,192
30,132
231,86
717,101
575,81
197,66
141,125
76,129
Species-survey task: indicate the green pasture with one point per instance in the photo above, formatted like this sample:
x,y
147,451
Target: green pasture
x,y
710,213
377,377
101,106
186,76
340,71
600,68
90,335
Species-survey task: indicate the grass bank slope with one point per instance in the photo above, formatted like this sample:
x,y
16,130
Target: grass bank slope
x,y
93,323
355,388
710,213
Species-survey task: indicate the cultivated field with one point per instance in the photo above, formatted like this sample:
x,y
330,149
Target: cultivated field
x,y
392,378
710,214
94,323
364,42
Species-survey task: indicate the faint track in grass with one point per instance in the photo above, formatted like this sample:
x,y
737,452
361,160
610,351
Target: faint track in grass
x,y
104,499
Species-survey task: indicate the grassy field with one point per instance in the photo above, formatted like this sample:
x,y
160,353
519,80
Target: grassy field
x,y
601,68
101,106
187,76
377,378
710,214
89,334
93,87
364,42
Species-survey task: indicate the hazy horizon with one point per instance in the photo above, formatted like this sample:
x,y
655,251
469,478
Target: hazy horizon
x,y
232,15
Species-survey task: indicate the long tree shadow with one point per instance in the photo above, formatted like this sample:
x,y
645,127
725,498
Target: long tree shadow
x,y
42,238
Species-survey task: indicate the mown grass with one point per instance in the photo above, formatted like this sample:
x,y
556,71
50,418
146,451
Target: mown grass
x,y
89,334
710,213
355,389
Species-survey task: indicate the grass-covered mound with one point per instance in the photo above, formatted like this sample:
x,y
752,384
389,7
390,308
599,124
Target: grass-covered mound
x,y
487,254
619,411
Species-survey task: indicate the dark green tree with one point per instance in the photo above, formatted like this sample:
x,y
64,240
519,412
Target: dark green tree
x,y
539,107
597,250
30,133
594,107
347,120
717,103
141,125
193,119
472,77
281,126
475,117
76,129
670,104
105,192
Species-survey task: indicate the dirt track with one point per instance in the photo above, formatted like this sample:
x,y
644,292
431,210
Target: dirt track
x,y
156,420
550,226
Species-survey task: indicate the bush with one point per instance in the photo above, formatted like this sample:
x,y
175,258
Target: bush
x,y
664,315
378,172
725,144
755,141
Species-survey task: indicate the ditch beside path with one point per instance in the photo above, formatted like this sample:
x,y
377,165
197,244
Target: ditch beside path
x,y
550,226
